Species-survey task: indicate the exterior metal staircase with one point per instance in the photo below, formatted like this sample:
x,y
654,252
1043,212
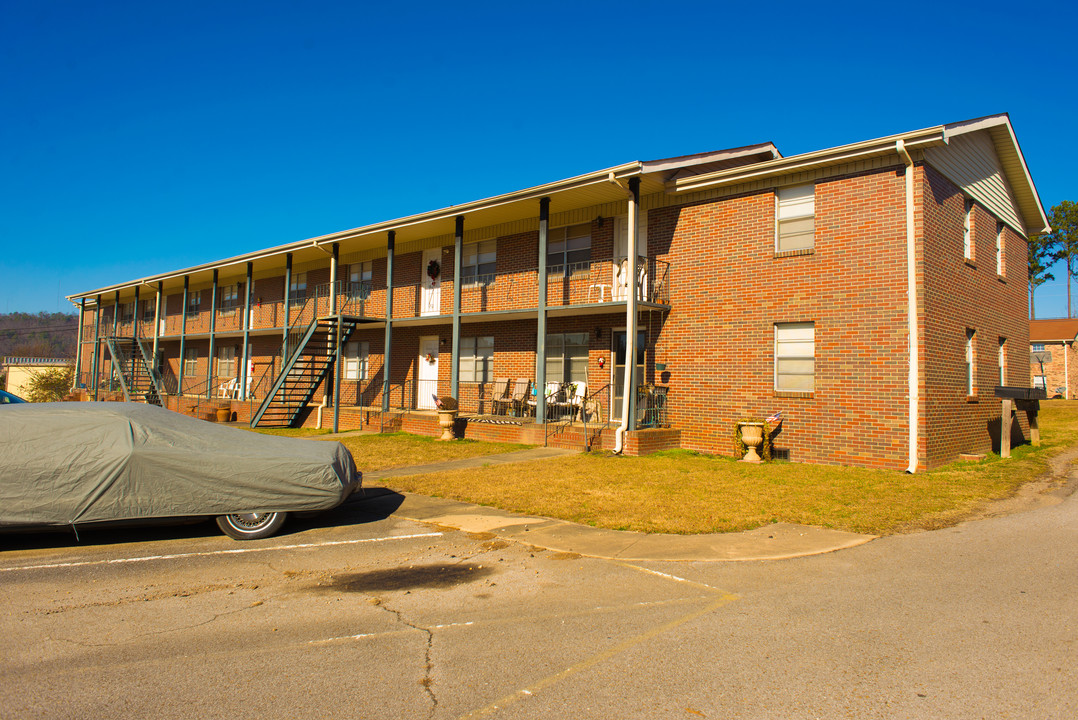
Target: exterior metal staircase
x,y
135,370
303,372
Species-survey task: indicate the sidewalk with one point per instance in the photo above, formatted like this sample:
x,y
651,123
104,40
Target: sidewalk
x,y
770,542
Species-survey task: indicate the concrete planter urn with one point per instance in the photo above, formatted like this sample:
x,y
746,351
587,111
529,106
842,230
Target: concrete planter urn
x,y
752,434
446,419
224,414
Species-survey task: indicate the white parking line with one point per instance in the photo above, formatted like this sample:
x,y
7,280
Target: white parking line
x,y
237,551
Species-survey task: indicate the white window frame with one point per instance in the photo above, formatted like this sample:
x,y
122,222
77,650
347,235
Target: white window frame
x,y
568,249
360,275
999,249
190,362
1002,361
971,361
477,358
297,292
479,263
795,348
356,360
567,357
226,361
793,205
967,231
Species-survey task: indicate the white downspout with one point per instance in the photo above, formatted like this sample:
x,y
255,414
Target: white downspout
x,y
1066,373
630,320
911,306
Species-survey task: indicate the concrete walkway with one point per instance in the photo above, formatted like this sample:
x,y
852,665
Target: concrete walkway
x,y
770,542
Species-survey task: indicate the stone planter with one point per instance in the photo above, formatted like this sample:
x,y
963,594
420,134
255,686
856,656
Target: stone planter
x,y
224,414
752,434
446,419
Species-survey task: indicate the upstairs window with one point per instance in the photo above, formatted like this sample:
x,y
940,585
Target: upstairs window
x,y
359,279
795,357
127,312
230,297
194,302
479,262
795,218
568,249
999,249
1038,347
297,291
967,231
149,310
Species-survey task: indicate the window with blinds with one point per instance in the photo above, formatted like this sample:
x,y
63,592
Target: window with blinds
x,y
795,217
795,356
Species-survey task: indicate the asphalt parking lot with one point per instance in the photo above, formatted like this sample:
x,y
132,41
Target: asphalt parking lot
x,y
360,614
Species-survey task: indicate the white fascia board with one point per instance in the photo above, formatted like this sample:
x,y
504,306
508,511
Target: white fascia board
x,y
560,186
806,161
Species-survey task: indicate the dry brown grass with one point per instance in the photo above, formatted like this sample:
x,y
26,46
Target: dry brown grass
x,y
681,492
390,450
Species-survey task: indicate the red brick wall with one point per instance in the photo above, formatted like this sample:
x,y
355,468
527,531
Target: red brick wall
x,y
729,289
960,294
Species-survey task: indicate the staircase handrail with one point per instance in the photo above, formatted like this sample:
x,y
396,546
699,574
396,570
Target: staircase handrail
x,y
151,369
118,359
285,369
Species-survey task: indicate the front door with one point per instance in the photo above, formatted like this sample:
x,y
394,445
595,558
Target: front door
x,y
618,371
427,373
430,299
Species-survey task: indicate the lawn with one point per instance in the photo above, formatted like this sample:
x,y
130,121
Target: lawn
x,y
682,492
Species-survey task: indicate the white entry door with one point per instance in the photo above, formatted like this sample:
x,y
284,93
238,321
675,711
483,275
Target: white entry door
x,y
430,301
427,373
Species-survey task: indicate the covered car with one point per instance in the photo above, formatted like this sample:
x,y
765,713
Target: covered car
x,y
68,464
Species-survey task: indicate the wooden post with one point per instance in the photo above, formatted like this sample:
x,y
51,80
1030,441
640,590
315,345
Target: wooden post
x,y
1031,408
1005,429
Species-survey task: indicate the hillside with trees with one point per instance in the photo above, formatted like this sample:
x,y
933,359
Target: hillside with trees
x,y
42,334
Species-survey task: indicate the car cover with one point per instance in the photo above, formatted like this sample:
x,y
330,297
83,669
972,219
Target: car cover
x,y
67,463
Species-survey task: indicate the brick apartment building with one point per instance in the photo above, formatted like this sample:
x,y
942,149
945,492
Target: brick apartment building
x,y
1058,374
763,283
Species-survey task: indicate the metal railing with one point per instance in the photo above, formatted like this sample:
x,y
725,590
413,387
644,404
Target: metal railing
x,y
651,406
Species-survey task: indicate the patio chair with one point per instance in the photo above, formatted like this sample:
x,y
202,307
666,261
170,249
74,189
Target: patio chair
x,y
228,389
501,398
553,390
576,400
520,395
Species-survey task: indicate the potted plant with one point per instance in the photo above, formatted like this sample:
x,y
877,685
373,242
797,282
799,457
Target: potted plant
x,y
447,415
748,435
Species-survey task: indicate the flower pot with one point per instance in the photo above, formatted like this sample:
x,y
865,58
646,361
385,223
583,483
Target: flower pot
x,y
224,414
752,434
446,418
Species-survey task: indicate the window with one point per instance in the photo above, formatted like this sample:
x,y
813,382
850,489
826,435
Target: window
x,y
127,312
190,361
194,302
149,310
795,356
568,249
967,231
999,249
359,279
795,218
480,262
297,291
230,297
476,359
567,357
970,360
226,361
1040,381
355,360
1038,347
1002,361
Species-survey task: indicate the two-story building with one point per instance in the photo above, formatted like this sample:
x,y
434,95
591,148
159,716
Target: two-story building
x,y
874,293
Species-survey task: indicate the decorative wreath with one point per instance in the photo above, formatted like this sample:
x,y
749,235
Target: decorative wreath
x,y
430,358
433,269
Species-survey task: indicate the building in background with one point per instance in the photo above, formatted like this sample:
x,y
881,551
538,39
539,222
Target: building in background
x,y
648,305
18,371
1056,338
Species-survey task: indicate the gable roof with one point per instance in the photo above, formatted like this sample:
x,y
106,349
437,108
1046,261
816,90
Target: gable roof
x,y
1053,330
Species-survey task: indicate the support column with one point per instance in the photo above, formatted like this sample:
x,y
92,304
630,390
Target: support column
x,y
458,254
157,320
246,330
629,401
540,330
287,307
78,345
135,315
213,336
335,337
387,357
97,345
183,334
115,329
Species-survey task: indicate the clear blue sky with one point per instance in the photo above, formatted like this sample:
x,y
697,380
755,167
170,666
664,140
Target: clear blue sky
x,y
140,137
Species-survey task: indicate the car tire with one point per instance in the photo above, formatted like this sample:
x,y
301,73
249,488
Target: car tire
x,y
251,526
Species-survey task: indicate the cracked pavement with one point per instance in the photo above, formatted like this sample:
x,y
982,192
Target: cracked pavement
x,y
356,615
